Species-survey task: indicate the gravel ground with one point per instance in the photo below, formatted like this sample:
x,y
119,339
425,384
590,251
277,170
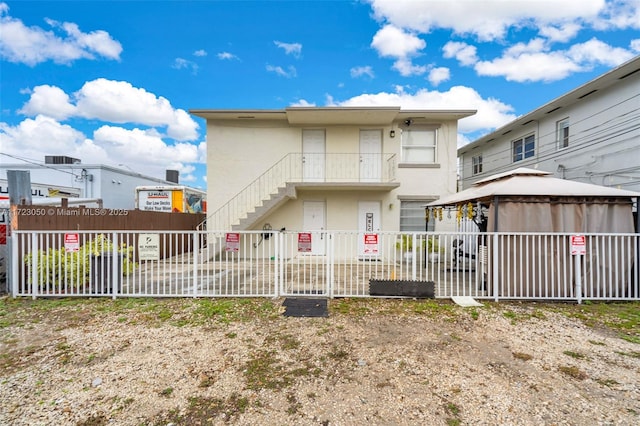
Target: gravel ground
x,y
380,362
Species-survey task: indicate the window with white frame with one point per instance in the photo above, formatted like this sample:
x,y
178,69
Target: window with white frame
x,y
562,127
523,148
413,217
419,145
476,162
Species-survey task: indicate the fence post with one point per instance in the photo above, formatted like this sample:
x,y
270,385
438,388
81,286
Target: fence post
x,y
116,266
578,266
277,262
494,273
331,264
13,264
35,265
414,249
195,244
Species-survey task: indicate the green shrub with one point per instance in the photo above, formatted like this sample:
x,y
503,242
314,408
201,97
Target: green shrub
x,y
405,243
58,267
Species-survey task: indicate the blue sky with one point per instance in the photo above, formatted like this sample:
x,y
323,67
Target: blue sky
x,y
112,82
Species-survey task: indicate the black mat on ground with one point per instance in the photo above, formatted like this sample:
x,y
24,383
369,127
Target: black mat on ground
x,y
422,289
305,307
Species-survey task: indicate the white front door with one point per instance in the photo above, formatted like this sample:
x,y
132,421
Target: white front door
x,y
313,155
370,155
314,220
368,224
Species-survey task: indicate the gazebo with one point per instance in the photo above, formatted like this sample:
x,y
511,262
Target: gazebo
x,y
532,201
528,200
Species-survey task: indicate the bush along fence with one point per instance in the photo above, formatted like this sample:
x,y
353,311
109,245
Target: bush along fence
x,y
528,266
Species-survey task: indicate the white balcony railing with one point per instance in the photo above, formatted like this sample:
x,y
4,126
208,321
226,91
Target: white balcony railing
x,y
298,168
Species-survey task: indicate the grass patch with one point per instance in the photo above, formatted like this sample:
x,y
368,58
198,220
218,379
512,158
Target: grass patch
x,y
607,382
632,354
575,355
522,356
453,410
573,371
263,371
203,410
166,392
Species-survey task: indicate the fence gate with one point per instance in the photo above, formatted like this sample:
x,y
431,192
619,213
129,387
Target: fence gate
x,y
302,273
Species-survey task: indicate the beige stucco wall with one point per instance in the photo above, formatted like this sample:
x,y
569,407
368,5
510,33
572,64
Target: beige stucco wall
x,y
341,210
239,152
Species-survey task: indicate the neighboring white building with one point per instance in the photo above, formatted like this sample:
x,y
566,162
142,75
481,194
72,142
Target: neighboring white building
x,y
61,176
590,135
308,168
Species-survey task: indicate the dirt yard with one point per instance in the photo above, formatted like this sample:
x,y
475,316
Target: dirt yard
x,y
370,362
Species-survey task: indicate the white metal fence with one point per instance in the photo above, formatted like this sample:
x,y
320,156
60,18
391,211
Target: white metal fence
x,y
340,264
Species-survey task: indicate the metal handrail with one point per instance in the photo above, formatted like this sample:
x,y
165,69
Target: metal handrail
x,y
302,167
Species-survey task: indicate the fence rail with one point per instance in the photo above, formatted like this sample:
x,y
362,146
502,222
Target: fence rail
x,y
493,266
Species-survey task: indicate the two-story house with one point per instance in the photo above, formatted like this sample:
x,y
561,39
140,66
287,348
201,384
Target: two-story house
x,y
590,134
308,168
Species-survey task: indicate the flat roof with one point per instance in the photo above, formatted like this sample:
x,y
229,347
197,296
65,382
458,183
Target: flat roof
x,y
334,115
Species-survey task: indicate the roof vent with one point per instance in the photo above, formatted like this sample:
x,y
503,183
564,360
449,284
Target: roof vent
x,y
173,176
60,159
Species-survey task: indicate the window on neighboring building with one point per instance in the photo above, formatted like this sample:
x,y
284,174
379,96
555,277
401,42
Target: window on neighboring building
x,y
563,133
523,148
477,164
413,217
419,145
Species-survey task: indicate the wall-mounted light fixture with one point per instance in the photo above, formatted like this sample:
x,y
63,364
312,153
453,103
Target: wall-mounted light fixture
x,y
392,133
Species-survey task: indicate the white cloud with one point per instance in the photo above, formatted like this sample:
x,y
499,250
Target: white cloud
x,y
40,136
362,71
595,51
140,144
288,73
115,102
534,62
33,45
120,102
560,32
303,103
294,49
491,112
200,52
144,150
529,67
51,101
406,68
438,75
181,63
619,14
463,52
635,45
487,19
393,42
226,56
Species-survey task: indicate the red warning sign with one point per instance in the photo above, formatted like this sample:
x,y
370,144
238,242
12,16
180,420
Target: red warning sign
x,y
371,243
578,245
232,241
71,242
304,242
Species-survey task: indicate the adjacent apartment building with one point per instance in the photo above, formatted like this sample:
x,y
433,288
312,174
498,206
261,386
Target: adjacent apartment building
x,y
307,168
590,134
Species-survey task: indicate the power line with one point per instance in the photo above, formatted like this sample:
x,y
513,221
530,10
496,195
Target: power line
x,y
37,163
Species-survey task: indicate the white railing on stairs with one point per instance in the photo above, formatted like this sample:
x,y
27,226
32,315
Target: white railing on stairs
x,y
299,168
